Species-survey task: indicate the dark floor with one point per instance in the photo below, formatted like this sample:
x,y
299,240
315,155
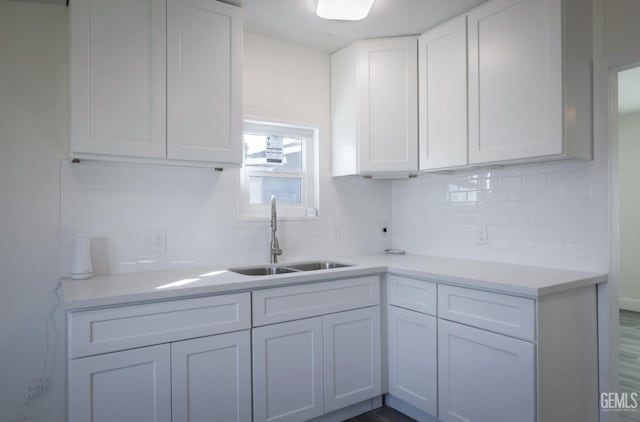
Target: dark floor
x,y
384,414
629,358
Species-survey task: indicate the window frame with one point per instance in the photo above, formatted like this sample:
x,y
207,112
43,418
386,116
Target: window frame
x,y
308,175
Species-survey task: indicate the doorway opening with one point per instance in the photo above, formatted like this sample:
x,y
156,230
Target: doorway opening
x,y
628,242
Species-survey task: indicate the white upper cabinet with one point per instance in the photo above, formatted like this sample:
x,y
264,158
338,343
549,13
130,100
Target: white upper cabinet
x,y
156,80
529,81
442,55
204,79
118,77
374,98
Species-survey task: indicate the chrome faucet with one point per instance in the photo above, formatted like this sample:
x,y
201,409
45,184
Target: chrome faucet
x,y
275,246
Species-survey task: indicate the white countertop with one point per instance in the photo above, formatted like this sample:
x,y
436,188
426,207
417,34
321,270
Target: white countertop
x,y
519,280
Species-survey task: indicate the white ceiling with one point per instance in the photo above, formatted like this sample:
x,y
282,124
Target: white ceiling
x,y
295,20
629,91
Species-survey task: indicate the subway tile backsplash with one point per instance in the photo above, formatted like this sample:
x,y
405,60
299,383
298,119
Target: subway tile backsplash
x,y
196,208
546,214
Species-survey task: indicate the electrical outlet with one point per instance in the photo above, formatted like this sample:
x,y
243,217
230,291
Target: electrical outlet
x,y
155,240
482,234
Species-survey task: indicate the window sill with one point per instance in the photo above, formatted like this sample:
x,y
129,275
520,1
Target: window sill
x,y
266,219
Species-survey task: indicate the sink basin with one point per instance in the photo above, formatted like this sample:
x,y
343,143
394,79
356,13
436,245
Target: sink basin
x,y
315,266
263,270
284,269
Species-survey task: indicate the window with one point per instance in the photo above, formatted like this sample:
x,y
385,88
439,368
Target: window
x,y
279,160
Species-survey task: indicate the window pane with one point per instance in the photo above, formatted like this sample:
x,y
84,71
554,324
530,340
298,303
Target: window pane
x,y
288,190
273,151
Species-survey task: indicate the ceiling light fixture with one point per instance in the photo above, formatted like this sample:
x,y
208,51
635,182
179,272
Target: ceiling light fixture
x,y
344,10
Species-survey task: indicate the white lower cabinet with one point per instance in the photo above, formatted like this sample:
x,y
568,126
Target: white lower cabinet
x,y
211,378
484,377
498,357
185,360
458,354
132,385
288,371
188,381
352,367
306,368
412,358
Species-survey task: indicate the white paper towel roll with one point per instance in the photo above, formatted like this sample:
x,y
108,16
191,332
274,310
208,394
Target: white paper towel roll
x,y
81,266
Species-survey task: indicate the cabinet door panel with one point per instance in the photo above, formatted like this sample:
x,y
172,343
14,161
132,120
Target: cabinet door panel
x,y
129,386
515,80
118,77
211,377
204,81
287,371
484,377
388,78
351,357
412,354
443,96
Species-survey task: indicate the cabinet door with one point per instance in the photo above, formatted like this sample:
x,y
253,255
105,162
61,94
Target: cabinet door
x,y
128,386
352,369
412,354
118,77
484,377
287,371
388,106
211,378
204,47
442,55
515,80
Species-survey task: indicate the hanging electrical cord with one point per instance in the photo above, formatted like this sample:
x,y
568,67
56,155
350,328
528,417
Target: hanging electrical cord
x,y
38,386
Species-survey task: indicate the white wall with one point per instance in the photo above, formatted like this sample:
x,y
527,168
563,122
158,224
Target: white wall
x,y
614,46
622,32
33,139
629,157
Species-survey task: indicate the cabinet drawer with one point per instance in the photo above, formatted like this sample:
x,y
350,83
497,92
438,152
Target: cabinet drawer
x,y
297,302
417,295
510,315
106,330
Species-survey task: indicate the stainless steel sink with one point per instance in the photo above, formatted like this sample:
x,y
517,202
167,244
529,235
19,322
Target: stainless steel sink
x,y
315,266
292,268
263,270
